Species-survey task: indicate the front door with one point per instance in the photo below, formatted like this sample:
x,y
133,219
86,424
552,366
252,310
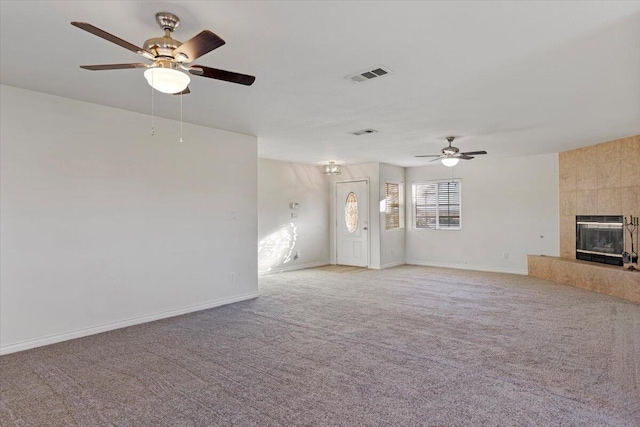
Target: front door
x,y
352,215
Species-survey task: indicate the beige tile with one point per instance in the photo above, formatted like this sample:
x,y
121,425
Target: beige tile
x,y
568,236
536,266
587,176
587,155
631,290
567,179
568,159
630,200
568,203
564,273
629,171
631,147
583,278
587,202
609,174
567,250
609,201
610,150
592,276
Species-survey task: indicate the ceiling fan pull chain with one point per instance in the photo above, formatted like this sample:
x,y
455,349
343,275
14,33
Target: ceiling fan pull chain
x,y
181,95
153,130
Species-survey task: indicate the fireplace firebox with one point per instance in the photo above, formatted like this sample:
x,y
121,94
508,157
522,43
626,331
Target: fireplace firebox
x,y
600,238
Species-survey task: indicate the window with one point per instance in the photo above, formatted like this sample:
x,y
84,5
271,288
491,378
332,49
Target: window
x,y
437,205
393,205
351,213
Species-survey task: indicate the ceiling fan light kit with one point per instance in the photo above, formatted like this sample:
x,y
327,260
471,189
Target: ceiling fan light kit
x,y
450,161
167,80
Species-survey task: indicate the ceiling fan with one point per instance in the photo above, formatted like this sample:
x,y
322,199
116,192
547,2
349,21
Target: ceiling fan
x,y
171,58
450,156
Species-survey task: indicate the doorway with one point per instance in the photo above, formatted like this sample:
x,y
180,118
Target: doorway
x,y
352,223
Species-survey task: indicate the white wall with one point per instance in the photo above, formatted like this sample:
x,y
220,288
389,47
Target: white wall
x,y
509,206
392,242
370,171
104,225
281,237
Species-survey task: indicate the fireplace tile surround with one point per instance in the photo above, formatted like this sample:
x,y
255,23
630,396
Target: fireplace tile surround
x,y
602,179
605,279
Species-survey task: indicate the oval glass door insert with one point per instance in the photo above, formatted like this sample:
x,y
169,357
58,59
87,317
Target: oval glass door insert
x,y
351,212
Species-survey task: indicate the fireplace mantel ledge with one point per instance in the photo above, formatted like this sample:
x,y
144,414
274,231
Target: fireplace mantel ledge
x,y
602,278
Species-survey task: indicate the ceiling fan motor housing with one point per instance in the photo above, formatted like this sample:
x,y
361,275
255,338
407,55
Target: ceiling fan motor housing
x,y
162,46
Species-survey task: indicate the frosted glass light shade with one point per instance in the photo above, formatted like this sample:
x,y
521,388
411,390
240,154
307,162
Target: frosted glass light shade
x,y
331,169
450,161
167,80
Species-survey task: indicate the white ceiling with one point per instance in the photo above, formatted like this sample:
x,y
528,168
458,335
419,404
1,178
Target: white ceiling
x,y
513,78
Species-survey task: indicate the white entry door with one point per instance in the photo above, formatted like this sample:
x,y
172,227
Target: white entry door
x,y
352,215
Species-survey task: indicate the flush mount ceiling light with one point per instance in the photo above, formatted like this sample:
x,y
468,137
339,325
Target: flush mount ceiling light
x,y
167,79
332,169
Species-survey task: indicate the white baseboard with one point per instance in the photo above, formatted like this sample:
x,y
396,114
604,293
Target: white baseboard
x,y
293,267
78,333
466,267
392,264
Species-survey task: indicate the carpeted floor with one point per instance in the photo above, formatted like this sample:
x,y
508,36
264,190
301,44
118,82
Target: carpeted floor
x,y
400,347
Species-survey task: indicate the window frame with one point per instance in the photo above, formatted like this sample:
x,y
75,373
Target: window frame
x,y
401,206
414,205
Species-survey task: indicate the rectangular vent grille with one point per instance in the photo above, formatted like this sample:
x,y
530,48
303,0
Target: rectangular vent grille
x,y
363,132
365,76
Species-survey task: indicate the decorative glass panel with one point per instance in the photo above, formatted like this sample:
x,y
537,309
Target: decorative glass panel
x,y
351,213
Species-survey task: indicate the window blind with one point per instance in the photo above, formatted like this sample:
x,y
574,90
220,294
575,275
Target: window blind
x,y
394,205
437,205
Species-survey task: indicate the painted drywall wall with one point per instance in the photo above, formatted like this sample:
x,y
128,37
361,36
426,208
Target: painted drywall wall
x,y
104,225
292,237
370,171
509,209
392,242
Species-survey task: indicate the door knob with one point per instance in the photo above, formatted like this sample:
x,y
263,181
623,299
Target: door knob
x,y
364,228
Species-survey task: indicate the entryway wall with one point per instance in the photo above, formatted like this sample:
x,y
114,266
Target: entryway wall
x,y
510,209
292,237
282,183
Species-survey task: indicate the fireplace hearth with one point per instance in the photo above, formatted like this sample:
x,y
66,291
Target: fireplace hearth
x,y
600,238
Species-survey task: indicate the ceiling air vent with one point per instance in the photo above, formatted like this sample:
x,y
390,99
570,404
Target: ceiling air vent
x,y
363,132
365,76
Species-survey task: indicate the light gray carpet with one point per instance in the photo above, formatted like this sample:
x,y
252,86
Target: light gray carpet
x,y
405,346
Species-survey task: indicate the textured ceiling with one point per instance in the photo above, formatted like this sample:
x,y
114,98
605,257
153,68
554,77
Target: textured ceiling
x,y
513,78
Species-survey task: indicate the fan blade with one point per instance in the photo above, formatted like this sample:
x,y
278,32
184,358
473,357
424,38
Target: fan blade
x,y
184,92
113,39
227,76
464,157
430,155
437,158
473,153
197,46
112,67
